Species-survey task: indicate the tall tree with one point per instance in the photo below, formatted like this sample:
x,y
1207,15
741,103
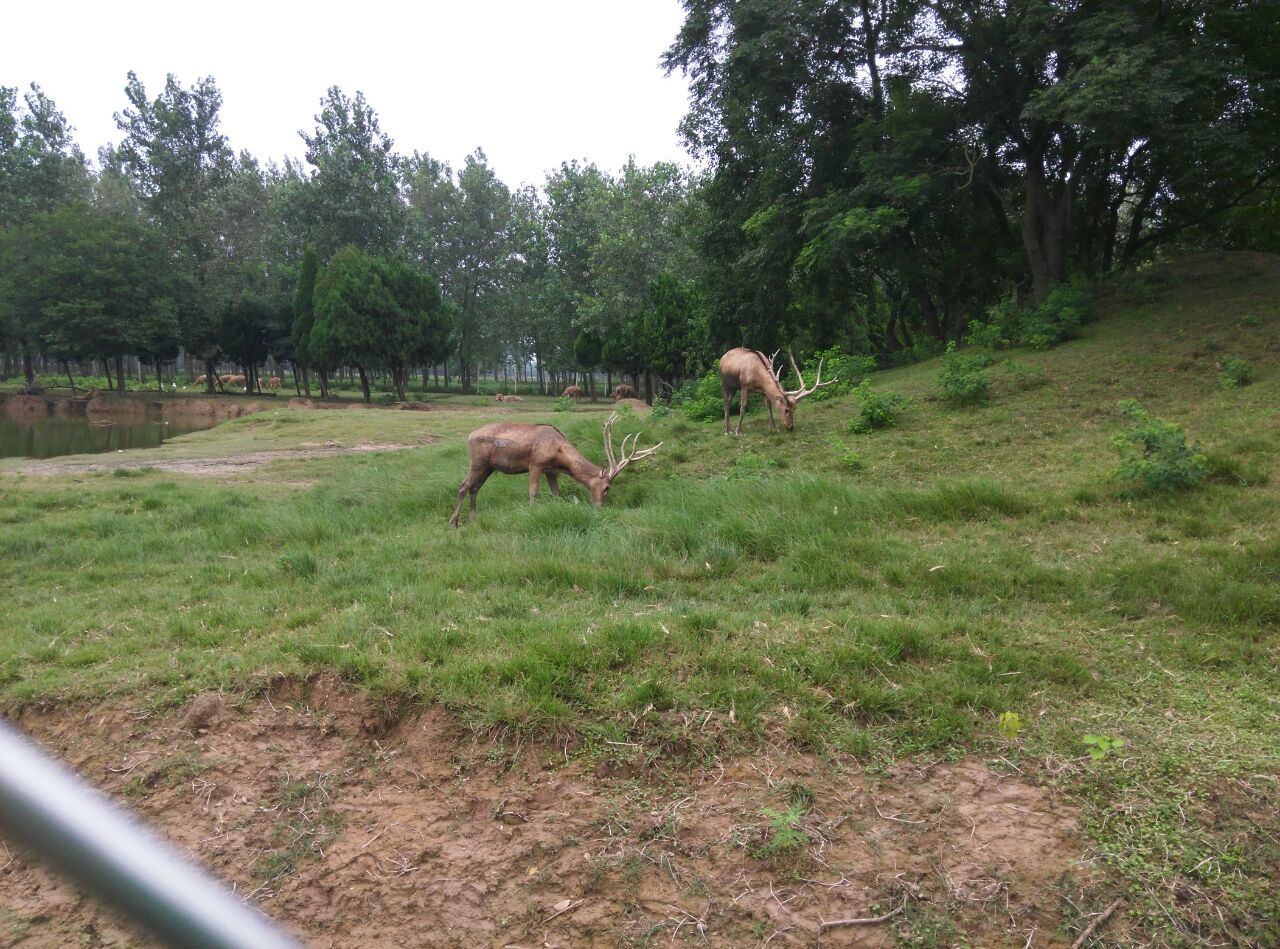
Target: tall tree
x,y
352,197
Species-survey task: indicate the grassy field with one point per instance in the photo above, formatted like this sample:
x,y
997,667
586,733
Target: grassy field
x,y
884,595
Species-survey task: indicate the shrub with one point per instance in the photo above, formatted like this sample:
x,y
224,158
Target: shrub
x,y
1155,453
876,409
660,410
848,369
846,457
1235,372
699,399
1059,318
964,378
1001,328
563,404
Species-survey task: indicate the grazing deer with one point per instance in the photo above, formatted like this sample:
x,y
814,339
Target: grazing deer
x,y
747,371
623,391
200,380
572,392
274,383
517,447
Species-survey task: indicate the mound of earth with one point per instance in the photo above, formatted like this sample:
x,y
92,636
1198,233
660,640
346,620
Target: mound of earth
x,y
354,826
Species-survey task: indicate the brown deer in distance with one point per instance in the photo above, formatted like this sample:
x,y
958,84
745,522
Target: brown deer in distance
x,y
623,391
572,392
746,371
517,447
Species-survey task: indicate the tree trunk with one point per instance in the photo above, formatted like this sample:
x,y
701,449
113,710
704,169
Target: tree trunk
x,y
120,374
70,378
1044,230
28,368
364,385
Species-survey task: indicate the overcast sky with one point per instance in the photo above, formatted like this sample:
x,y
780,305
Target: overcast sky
x,y
534,83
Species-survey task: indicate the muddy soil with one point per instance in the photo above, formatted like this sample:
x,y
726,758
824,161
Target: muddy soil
x,y
355,826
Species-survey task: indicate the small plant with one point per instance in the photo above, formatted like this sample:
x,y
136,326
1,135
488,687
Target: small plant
x,y
1058,318
783,833
1022,376
661,410
1235,372
1155,453
875,409
964,378
847,368
563,404
846,457
1009,723
751,466
1099,746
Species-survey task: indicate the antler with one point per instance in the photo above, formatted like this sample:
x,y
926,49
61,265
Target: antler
x,y
798,394
628,455
777,372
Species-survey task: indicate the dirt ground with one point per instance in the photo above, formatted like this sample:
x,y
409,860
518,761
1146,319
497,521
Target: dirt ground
x,y
355,826
213,467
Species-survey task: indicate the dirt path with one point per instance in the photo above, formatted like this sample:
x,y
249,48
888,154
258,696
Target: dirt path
x,y
355,828
218,466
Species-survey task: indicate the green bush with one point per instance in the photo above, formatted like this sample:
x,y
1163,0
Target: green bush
x,y
660,410
563,404
1155,453
1235,372
964,378
846,368
699,399
875,409
1059,318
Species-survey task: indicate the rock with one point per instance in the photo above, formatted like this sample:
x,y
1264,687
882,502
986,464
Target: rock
x,y
204,708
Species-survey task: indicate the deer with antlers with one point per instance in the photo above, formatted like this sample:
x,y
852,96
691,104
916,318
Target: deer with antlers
x,y
747,371
517,447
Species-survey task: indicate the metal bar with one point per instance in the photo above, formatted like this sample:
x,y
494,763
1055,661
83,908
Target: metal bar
x,y
67,823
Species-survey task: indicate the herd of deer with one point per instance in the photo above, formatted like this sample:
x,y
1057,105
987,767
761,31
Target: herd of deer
x,y
517,447
238,381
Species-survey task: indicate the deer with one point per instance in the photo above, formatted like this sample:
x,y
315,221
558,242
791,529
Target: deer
x,y
623,391
517,447
572,392
274,383
508,398
746,371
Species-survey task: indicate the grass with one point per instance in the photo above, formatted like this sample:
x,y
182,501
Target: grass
x,y
976,561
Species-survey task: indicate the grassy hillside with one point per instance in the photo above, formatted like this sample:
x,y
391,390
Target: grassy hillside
x,y
881,594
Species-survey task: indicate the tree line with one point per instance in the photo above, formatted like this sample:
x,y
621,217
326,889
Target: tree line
x,y
876,175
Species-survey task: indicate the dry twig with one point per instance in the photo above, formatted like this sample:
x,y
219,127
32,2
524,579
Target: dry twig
x,y
1097,921
825,924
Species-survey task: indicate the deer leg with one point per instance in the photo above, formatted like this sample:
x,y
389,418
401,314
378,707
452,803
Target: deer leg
x,y
534,475
742,407
554,481
477,482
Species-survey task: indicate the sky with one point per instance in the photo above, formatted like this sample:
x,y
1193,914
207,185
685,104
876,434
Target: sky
x,y
533,83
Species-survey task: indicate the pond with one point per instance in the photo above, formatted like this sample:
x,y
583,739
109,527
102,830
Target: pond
x,y
58,435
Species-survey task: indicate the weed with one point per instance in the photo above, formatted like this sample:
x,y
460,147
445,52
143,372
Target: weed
x,y
1235,372
1099,746
964,378
1155,453
876,409
1010,724
783,835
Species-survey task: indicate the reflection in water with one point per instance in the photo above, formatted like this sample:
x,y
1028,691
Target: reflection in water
x,y
56,435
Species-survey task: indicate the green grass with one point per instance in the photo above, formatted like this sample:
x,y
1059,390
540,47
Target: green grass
x,y
980,560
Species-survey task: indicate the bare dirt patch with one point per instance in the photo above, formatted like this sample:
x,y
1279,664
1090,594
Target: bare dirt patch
x,y
218,466
355,826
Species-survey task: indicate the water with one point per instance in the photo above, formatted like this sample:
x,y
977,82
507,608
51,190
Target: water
x,y
58,435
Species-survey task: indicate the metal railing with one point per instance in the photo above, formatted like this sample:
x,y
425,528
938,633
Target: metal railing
x,y
62,820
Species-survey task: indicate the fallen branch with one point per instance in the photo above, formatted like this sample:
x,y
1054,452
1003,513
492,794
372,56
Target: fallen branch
x,y
825,924
571,904
1097,921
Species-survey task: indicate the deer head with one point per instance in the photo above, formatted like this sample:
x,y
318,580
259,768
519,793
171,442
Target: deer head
x,y
599,486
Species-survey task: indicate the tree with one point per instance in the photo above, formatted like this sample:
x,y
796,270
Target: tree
x,y
351,197
179,161
99,278
40,169
304,317
376,314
